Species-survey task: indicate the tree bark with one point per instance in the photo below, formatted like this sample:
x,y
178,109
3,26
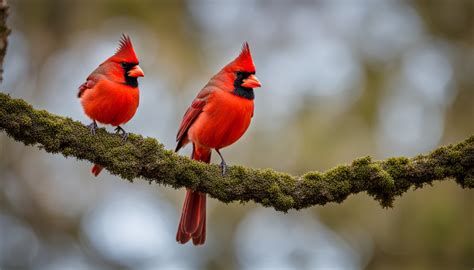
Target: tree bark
x,y
4,32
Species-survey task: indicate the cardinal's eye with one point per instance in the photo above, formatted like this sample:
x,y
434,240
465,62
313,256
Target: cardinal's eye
x,y
124,65
239,73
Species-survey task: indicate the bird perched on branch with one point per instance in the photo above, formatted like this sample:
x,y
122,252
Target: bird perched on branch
x,y
110,94
219,115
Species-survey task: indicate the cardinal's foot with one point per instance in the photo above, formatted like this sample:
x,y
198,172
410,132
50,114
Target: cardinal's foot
x,y
223,166
118,130
92,127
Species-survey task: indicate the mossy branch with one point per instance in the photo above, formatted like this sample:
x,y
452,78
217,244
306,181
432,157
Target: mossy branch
x,y
146,158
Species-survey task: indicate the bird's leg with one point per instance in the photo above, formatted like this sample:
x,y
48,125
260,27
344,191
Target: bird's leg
x,y
93,127
223,164
119,129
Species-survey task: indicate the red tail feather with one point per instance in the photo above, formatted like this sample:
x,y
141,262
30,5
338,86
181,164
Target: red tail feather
x,y
200,236
193,216
96,169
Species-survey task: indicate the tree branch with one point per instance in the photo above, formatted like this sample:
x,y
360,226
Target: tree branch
x,y
4,32
146,158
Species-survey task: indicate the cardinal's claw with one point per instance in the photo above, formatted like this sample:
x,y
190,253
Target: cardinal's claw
x,y
223,164
92,127
119,129
124,137
223,167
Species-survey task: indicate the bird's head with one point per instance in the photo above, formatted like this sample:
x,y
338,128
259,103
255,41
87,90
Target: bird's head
x,y
242,72
126,61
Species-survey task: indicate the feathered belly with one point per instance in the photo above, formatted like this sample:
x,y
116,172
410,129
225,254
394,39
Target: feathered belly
x,y
114,106
223,121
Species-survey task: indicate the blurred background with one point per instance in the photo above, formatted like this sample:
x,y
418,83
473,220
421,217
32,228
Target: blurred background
x,y
341,79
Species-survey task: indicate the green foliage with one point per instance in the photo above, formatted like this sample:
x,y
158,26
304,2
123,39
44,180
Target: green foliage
x,y
146,158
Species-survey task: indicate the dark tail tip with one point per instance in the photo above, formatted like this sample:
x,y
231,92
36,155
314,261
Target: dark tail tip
x,y
96,169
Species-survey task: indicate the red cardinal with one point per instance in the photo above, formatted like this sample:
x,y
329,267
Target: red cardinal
x,y
218,117
110,94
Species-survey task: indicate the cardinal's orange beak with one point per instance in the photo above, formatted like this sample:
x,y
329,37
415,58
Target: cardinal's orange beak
x,y
136,71
251,82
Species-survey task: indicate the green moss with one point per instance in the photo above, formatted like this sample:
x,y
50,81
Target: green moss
x,y
364,161
311,180
338,174
438,172
280,200
146,158
313,176
274,189
468,182
383,186
67,129
396,166
383,178
266,202
24,120
191,174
